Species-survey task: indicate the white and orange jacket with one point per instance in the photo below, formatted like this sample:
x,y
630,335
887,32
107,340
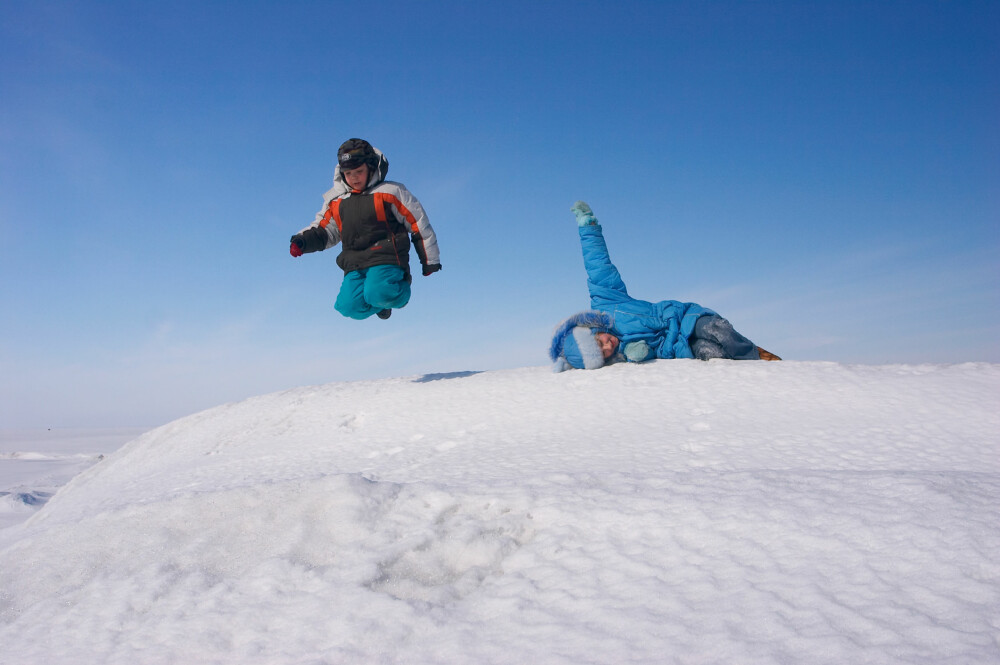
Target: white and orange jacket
x,y
375,226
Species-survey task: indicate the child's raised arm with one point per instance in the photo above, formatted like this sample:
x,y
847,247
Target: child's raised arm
x,y
603,280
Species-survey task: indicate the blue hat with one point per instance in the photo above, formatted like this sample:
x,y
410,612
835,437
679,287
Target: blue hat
x,y
573,344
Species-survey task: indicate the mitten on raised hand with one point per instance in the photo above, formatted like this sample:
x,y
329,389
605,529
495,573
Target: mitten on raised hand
x,y
637,351
296,246
584,215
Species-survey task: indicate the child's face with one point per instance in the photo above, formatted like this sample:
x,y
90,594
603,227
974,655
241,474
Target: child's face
x,y
357,178
607,342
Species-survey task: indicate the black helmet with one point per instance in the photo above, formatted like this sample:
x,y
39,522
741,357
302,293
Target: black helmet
x,y
355,152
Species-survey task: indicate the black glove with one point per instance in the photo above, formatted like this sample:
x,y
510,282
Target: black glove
x,y
311,240
296,246
432,268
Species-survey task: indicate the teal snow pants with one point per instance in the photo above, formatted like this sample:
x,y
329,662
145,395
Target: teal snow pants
x,y
370,290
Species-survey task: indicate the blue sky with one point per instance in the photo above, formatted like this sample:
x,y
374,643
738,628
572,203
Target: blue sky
x,y
825,175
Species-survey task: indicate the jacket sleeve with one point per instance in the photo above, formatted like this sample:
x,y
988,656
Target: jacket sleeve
x,y
408,212
323,232
603,280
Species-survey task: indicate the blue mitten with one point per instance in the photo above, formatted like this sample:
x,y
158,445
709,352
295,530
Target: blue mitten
x,y
584,215
636,352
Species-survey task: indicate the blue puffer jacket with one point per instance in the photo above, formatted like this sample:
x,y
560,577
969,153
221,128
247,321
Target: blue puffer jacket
x,y
665,326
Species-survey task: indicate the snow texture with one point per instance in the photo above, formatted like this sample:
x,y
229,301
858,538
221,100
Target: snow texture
x,y
672,512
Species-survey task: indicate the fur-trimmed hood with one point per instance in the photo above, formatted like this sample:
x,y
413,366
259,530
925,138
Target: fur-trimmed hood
x,y
573,343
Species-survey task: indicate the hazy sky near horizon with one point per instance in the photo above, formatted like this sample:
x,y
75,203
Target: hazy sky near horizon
x,y
823,174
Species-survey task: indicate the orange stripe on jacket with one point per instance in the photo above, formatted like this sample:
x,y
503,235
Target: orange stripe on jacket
x,y
379,201
381,198
333,210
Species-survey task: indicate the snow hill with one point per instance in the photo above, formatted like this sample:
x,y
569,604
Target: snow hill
x,y
672,512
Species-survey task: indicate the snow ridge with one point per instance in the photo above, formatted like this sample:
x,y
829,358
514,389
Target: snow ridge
x,y
678,511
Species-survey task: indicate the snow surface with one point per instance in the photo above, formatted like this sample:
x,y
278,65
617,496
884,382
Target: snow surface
x,y
673,512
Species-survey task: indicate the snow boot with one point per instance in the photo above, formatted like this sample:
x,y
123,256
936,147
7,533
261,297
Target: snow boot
x,y
766,355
